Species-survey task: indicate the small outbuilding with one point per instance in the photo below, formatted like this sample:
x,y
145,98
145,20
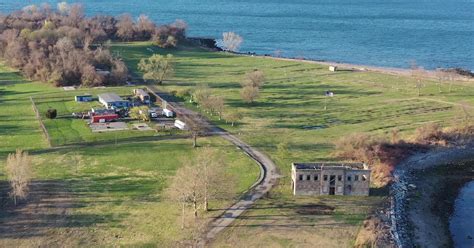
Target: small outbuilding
x,y
113,101
332,68
83,98
180,125
142,95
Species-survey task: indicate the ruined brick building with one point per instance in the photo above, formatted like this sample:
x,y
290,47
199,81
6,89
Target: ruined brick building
x,y
330,179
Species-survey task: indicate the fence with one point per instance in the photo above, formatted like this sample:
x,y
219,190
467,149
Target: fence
x,y
43,128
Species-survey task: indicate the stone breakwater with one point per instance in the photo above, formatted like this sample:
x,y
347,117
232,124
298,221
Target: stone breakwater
x,y
398,216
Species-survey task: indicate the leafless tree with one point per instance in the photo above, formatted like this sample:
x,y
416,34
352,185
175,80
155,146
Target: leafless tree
x,y
418,74
125,27
19,173
186,188
201,93
233,116
217,105
231,41
145,27
441,76
216,182
249,94
254,78
197,126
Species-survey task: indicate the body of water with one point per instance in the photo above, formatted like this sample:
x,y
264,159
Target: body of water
x,y
462,221
391,33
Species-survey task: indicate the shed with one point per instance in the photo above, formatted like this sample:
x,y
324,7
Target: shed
x,y
143,95
113,101
332,68
180,124
83,98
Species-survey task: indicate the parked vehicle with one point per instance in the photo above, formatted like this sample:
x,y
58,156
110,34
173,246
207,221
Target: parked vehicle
x,y
168,113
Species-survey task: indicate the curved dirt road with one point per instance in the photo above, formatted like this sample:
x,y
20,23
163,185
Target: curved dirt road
x,y
268,175
268,179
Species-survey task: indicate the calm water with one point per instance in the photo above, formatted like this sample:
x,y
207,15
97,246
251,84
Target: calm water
x,y
435,33
462,221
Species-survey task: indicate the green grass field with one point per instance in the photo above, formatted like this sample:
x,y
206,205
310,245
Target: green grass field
x,y
95,193
117,190
291,111
66,130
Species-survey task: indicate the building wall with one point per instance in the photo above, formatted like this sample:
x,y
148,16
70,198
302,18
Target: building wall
x,y
310,183
318,182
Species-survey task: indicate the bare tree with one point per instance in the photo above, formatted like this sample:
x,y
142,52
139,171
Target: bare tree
x,y
157,67
63,8
125,27
249,94
201,93
417,73
19,173
216,182
217,105
186,188
231,41
145,27
254,78
233,116
197,126
442,76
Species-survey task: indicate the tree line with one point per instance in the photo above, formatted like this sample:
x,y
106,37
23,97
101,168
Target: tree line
x,y
63,47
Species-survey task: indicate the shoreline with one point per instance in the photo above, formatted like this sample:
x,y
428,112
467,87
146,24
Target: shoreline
x,y
211,45
404,187
431,74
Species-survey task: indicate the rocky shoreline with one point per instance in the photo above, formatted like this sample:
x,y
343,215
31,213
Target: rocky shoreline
x,y
405,178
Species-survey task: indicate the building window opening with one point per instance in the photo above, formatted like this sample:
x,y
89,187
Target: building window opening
x,y
339,178
364,178
325,177
315,177
308,177
301,177
356,178
349,178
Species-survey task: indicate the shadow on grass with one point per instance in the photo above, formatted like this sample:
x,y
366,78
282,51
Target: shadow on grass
x,y
49,206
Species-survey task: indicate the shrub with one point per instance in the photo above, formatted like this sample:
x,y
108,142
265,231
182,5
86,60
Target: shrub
x,y
51,113
428,134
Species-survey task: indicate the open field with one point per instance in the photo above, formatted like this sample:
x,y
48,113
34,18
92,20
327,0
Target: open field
x,y
94,193
111,194
291,111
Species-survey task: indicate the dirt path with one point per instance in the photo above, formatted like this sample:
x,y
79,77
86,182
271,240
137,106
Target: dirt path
x,y
268,176
427,228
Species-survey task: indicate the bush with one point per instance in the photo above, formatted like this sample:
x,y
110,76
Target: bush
x,y
51,113
183,93
428,134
